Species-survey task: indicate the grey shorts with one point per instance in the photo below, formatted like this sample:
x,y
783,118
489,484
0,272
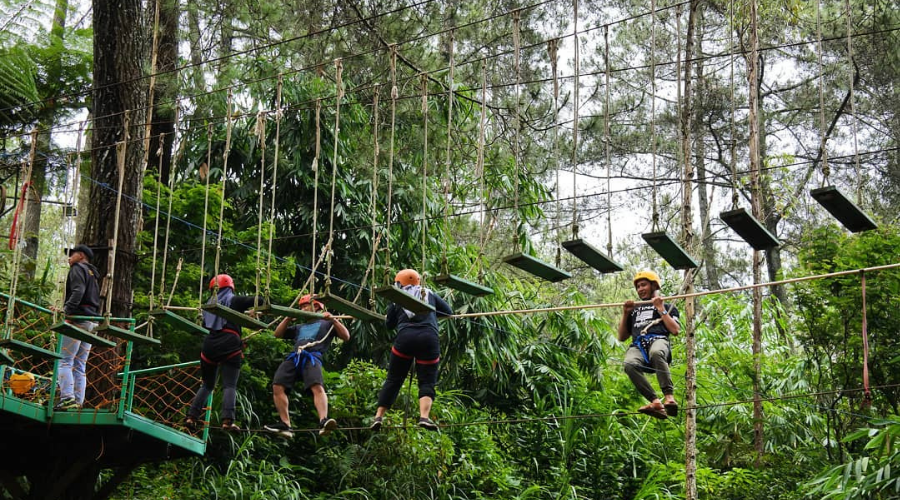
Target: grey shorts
x,y
287,373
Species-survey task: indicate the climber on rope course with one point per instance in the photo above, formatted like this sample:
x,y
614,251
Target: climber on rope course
x,y
417,340
649,326
311,341
222,351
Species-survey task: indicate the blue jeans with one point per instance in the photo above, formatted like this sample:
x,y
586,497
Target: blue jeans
x,y
71,376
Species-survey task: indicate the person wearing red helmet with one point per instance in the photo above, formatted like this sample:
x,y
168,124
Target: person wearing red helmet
x,y
222,352
649,326
311,341
417,339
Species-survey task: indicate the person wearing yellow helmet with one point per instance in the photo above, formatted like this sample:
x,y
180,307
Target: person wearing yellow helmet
x,y
649,324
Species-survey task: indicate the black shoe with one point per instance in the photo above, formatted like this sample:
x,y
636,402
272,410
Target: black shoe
x,y
427,423
190,424
67,404
280,428
229,425
326,425
376,424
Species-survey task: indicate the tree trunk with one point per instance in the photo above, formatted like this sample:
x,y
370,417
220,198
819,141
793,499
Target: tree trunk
x,y
118,108
160,159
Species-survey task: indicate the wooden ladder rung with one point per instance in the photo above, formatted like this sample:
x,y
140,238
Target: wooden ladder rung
x,y
403,299
70,330
28,349
229,314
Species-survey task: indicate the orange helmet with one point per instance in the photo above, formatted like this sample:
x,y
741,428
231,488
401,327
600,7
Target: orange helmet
x,y
407,277
649,276
307,299
221,281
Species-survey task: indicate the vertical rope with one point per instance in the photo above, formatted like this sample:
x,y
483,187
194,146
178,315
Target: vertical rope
x,y
261,137
338,68
575,110
606,139
376,151
552,49
17,230
150,297
733,145
855,120
480,168
516,17
315,221
162,276
653,109
121,151
209,131
424,81
445,267
71,202
278,115
228,127
865,340
387,234
822,139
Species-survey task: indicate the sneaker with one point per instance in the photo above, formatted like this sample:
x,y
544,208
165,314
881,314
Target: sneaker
x,y
67,404
190,424
326,425
427,423
376,424
280,428
229,425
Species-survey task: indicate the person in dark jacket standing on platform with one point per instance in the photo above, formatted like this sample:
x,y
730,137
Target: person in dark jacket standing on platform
x,y
417,340
82,299
223,351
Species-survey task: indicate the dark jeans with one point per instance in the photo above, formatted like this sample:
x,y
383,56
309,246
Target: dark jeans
x,y
230,370
397,370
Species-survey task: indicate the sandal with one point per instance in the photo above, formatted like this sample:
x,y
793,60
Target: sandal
x,y
671,409
654,410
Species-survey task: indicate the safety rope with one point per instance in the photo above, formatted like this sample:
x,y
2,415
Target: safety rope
x,y
552,50
260,131
16,229
162,278
373,200
480,168
228,129
733,145
653,110
152,293
854,123
606,140
867,399
822,131
445,266
207,173
121,152
279,113
424,227
516,18
575,110
315,221
387,233
338,68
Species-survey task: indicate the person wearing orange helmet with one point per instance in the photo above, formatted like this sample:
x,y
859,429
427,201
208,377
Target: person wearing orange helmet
x,y
311,341
649,325
222,352
417,339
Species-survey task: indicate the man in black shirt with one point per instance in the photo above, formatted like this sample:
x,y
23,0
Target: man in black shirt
x,y
82,299
649,326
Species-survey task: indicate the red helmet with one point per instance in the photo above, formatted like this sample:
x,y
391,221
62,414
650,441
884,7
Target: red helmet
x,y
407,277
221,281
306,299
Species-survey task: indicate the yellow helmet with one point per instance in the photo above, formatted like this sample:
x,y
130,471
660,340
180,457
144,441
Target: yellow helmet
x,y
649,276
21,383
407,277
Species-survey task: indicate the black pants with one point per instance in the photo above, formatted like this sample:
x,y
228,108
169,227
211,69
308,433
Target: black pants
x,y
422,347
231,370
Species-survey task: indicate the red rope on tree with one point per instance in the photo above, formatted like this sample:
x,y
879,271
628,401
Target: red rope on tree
x,y
867,398
14,233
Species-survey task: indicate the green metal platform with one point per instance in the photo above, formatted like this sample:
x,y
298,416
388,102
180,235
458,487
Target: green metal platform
x,y
240,319
670,250
844,210
463,285
290,312
70,330
537,267
177,321
749,229
125,334
403,299
588,254
344,306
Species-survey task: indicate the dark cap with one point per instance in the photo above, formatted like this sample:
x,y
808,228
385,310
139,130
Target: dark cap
x,y
86,250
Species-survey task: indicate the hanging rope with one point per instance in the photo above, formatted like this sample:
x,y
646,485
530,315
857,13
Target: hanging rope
x,y
516,17
150,297
552,48
653,109
576,105
424,82
733,145
373,200
260,130
606,139
207,174
121,151
338,68
867,398
480,168
822,137
854,123
445,266
162,279
225,154
16,229
387,233
278,115
315,221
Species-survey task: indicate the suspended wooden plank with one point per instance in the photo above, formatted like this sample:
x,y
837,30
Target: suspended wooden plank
x,y
463,285
843,209
125,334
70,330
28,349
239,319
591,256
5,359
177,321
343,306
670,250
290,312
536,267
749,229
404,299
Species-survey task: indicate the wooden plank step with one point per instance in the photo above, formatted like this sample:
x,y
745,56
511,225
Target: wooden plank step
x,y
403,299
536,267
277,310
588,254
177,321
333,302
844,210
28,349
70,330
670,250
463,285
125,334
749,229
240,319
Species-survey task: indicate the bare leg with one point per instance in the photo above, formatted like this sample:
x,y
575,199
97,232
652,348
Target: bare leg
x,y
425,406
320,400
380,411
279,395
